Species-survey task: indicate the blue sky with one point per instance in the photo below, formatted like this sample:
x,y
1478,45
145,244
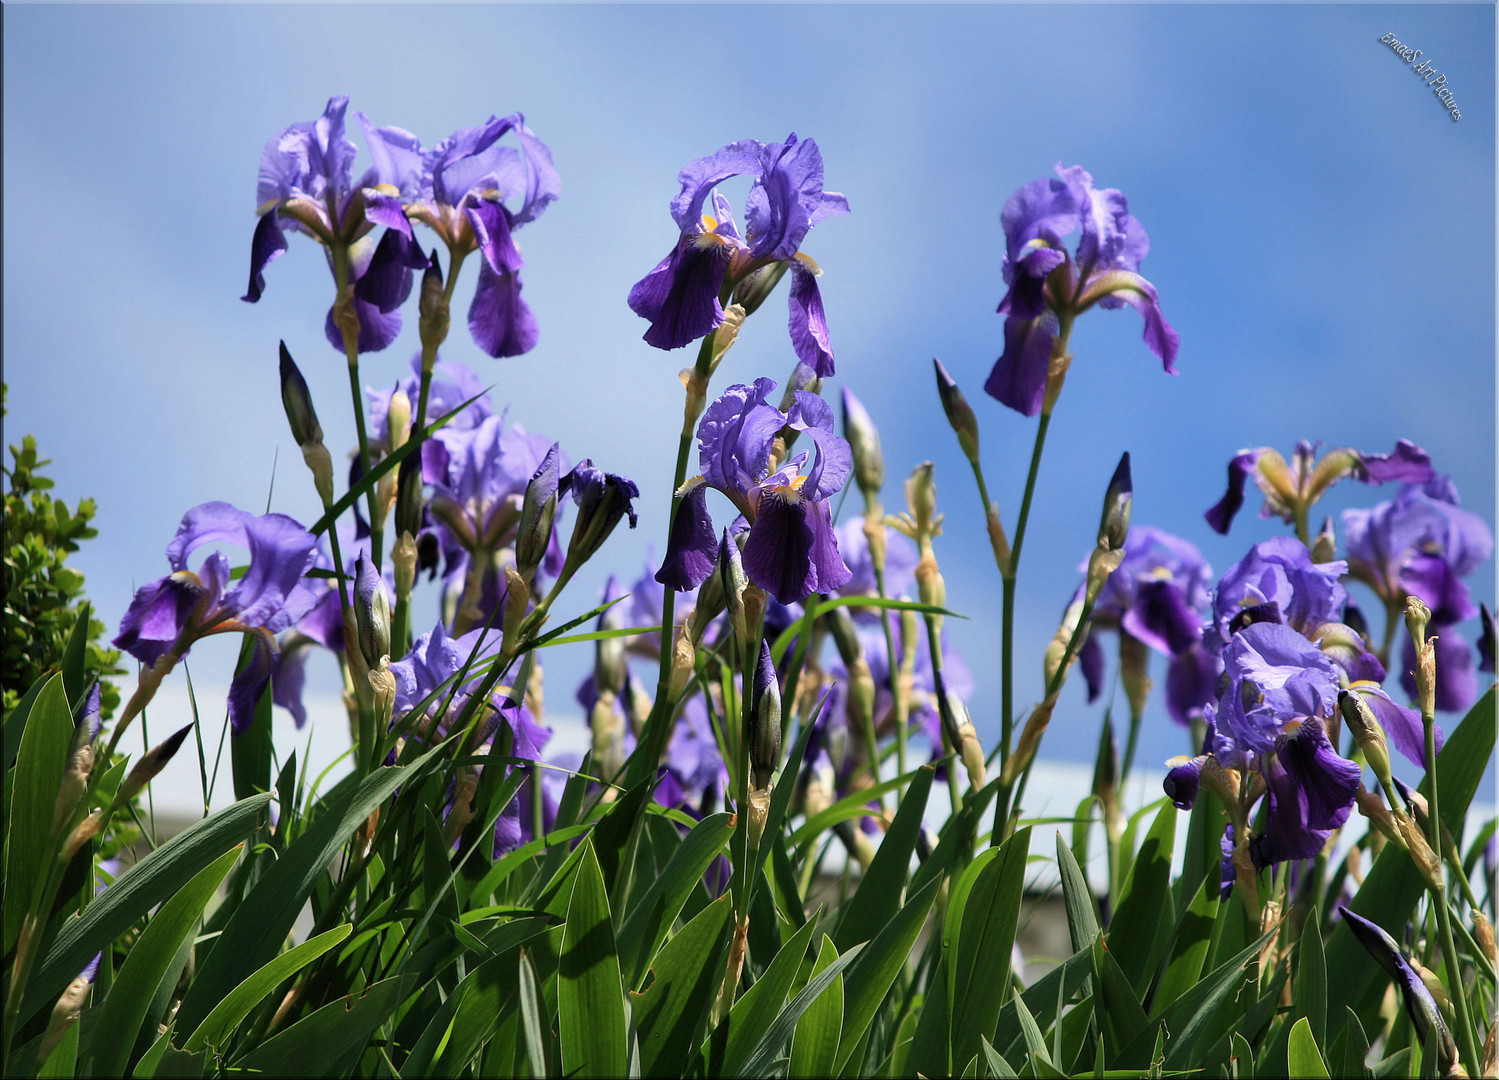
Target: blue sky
x,y
1322,238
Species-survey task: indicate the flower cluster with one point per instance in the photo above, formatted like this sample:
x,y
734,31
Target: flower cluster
x,y
472,189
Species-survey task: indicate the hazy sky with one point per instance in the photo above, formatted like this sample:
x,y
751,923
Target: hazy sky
x,y
1322,237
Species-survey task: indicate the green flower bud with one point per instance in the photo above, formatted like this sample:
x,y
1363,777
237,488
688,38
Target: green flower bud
x,y
959,413
765,721
755,288
1113,524
864,442
296,399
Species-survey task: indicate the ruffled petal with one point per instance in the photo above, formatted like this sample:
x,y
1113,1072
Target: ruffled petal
x,y
680,296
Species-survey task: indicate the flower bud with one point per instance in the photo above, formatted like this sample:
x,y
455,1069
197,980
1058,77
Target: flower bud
x,y
1483,934
403,560
864,443
409,495
68,1009
1222,783
754,288
398,420
731,583
1134,663
1373,807
959,412
85,831
723,340
921,501
1368,733
371,613
433,308
538,511
765,721
1057,649
517,600
1417,615
1422,1008
608,728
1113,525
609,652
803,380
297,400
320,464
1325,547
602,499
74,784
152,763
1030,739
759,814
1101,563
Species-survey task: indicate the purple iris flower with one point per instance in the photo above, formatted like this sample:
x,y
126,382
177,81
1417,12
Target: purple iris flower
x,y
168,615
1276,582
436,658
1423,543
479,477
791,551
306,185
683,295
474,191
1158,596
1419,1003
1294,487
1046,281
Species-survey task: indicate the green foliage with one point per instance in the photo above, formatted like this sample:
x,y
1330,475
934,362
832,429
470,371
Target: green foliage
x,y
43,594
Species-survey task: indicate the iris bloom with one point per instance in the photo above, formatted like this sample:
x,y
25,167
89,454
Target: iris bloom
x,y
306,186
791,551
474,191
1290,490
1159,596
683,295
170,614
1277,582
1046,281
1423,543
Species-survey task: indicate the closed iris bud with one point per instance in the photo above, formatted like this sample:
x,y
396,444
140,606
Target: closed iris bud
x,y
765,721
152,763
609,654
864,443
297,400
1417,615
731,583
754,288
371,613
1367,732
433,307
602,499
409,496
68,1009
959,413
1113,525
1325,547
803,379
398,420
538,511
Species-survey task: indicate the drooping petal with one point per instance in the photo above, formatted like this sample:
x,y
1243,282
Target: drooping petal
x,y
377,329
1184,780
158,615
1134,290
289,679
1221,515
1191,683
1019,378
1161,617
386,281
808,323
500,320
491,224
1090,660
1288,834
250,683
268,243
680,296
1327,781
692,548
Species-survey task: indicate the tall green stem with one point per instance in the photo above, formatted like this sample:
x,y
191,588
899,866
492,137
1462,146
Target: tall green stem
x,y
349,328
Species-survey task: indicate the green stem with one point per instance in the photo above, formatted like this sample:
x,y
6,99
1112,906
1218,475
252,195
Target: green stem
x,y
899,706
344,284
658,725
